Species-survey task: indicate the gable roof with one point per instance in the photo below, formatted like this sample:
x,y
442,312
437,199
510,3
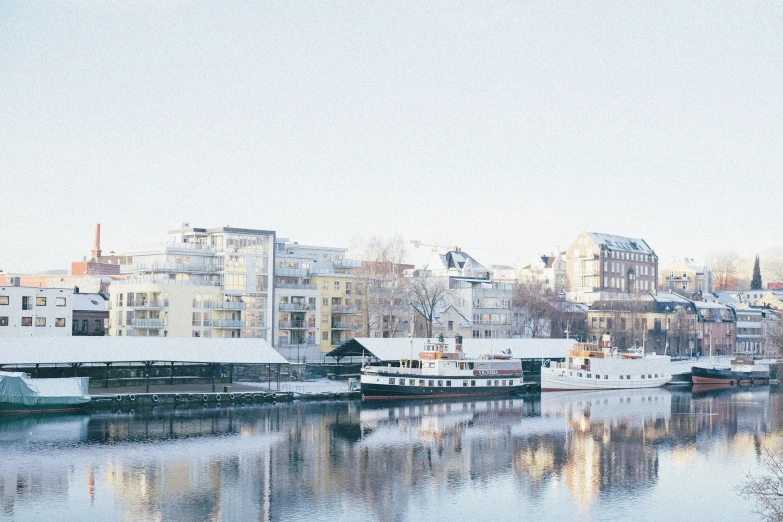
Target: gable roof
x,y
621,243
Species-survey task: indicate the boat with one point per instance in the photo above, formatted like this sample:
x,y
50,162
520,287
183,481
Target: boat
x,y
440,373
593,367
20,393
742,372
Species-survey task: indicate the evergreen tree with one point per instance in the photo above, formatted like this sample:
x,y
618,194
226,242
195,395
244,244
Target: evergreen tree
x,y
755,283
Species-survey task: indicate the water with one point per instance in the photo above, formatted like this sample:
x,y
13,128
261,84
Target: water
x,y
632,455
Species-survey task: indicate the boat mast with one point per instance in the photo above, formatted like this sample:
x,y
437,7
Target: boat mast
x,y
410,361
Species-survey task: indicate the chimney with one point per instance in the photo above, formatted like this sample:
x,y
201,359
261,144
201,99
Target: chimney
x,y
96,249
458,346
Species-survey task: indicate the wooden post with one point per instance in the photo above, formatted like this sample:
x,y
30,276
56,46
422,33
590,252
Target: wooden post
x,y
171,377
108,365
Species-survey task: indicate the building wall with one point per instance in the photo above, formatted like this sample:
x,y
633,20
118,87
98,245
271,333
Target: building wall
x,y
341,308
31,311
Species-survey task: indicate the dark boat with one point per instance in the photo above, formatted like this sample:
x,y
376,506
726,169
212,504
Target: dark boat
x,y
743,372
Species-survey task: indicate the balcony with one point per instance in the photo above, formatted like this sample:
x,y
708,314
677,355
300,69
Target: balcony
x,y
347,263
296,307
228,323
292,272
338,342
228,305
344,326
344,309
166,268
295,325
147,323
296,287
140,304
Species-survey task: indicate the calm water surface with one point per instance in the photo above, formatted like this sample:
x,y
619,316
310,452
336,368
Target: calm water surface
x,y
634,455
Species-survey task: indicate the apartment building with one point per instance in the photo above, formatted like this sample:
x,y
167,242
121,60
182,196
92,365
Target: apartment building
x,y
686,277
299,300
341,308
548,270
717,331
215,282
600,266
32,311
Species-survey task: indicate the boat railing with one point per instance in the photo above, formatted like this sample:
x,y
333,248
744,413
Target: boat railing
x,y
396,370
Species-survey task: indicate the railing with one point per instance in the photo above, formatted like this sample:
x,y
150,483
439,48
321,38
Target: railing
x,y
139,303
147,323
345,309
165,267
396,370
296,287
347,263
344,326
228,323
292,272
294,325
228,305
296,307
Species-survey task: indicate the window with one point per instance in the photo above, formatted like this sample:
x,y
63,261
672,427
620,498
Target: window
x,y
84,325
325,335
27,303
472,383
621,377
642,376
326,284
27,321
98,325
431,383
325,301
511,382
337,285
59,301
421,382
440,383
59,322
40,301
503,382
75,325
464,383
3,321
347,287
391,380
597,376
3,299
628,377
451,326
606,376
448,383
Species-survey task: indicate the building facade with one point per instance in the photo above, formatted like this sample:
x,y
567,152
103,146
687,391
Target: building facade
x,y
32,311
90,314
548,270
600,266
686,277
214,282
341,308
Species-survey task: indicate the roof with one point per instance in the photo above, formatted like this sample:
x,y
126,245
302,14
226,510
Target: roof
x,y
463,321
89,303
388,350
626,244
63,350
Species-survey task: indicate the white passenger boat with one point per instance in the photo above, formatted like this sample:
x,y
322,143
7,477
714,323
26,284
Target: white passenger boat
x,y
440,373
590,367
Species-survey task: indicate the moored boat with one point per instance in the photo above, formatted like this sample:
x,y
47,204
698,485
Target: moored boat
x,y
20,393
742,372
440,373
590,367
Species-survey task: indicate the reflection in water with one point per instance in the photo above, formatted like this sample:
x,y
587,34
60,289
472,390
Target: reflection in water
x,y
568,454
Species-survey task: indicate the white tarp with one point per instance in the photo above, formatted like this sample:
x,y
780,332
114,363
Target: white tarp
x,y
19,390
65,350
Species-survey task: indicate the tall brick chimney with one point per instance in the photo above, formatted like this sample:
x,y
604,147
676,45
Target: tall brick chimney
x,y
96,249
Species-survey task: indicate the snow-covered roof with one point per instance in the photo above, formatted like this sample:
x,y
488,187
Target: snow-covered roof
x,y
715,305
63,350
626,244
394,349
89,302
463,321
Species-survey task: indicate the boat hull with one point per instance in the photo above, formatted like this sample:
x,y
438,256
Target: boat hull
x,y
558,380
390,391
9,407
727,376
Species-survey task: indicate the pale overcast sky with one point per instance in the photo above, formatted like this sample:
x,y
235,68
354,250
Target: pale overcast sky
x,y
503,127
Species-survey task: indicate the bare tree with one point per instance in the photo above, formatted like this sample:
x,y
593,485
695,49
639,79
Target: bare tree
x,y
531,300
384,291
724,270
767,490
774,268
426,293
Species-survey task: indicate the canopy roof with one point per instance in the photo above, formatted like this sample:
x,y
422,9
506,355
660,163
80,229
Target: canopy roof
x,y
64,350
388,350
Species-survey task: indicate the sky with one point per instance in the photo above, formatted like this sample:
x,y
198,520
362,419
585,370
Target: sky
x,y
505,128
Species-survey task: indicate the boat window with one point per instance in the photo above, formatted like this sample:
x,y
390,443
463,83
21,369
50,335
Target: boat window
x,y
464,383
656,375
448,383
496,382
621,377
649,376
431,383
511,382
402,382
579,374
597,376
421,382
440,383
503,382
432,365
470,366
589,375
628,377
642,376
571,374
472,383
461,366
391,380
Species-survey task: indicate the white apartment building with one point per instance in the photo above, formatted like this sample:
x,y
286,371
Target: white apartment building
x,y
215,282
32,311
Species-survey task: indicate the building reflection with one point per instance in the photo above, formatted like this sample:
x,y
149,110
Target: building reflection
x,y
377,460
